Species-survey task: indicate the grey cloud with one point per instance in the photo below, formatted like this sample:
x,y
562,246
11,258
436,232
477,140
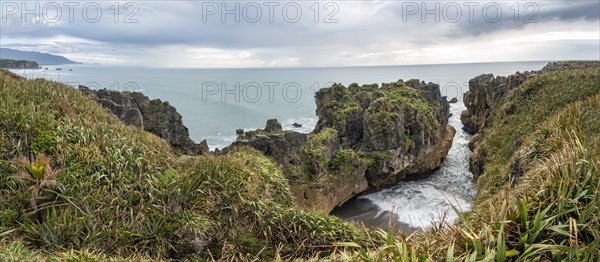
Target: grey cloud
x,y
363,27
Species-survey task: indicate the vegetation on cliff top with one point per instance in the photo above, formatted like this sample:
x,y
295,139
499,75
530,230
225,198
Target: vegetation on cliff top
x,y
121,192
384,104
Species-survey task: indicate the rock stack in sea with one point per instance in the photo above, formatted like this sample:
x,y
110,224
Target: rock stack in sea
x,y
367,138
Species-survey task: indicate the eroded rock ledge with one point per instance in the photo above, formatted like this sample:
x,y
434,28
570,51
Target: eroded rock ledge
x,y
367,138
154,116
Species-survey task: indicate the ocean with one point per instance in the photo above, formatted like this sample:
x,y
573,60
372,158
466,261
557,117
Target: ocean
x,y
216,102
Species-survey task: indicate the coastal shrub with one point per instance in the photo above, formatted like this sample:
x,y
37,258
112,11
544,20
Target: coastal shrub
x,y
315,153
43,143
346,161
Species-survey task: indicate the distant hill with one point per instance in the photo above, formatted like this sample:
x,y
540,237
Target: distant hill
x,y
18,64
40,58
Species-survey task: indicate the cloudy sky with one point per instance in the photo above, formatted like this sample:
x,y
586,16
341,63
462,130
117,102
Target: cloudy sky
x,y
302,33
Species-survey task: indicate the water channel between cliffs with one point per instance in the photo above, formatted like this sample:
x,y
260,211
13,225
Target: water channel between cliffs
x,y
415,204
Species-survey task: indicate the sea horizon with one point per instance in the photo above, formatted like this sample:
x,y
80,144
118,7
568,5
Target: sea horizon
x,y
306,67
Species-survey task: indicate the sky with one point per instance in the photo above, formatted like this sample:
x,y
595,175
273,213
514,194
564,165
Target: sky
x,y
223,34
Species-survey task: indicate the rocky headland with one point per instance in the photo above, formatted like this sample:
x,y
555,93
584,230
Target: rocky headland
x,y
18,64
485,90
367,138
154,116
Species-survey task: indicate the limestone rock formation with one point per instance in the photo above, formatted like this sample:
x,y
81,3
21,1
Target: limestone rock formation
x,y
284,146
402,128
367,138
273,125
154,116
306,160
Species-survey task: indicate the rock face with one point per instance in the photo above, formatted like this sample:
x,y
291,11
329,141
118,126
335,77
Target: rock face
x,y
273,125
285,146
453,100
402,128
305,160
154,116
367,138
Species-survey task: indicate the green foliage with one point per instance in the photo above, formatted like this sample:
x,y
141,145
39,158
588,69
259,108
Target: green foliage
x,y
384,112
346,161
413,82
314,152
8,218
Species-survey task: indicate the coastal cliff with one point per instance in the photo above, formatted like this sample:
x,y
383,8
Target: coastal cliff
x,y
401,128
18,64
367,138
486,90
154,116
